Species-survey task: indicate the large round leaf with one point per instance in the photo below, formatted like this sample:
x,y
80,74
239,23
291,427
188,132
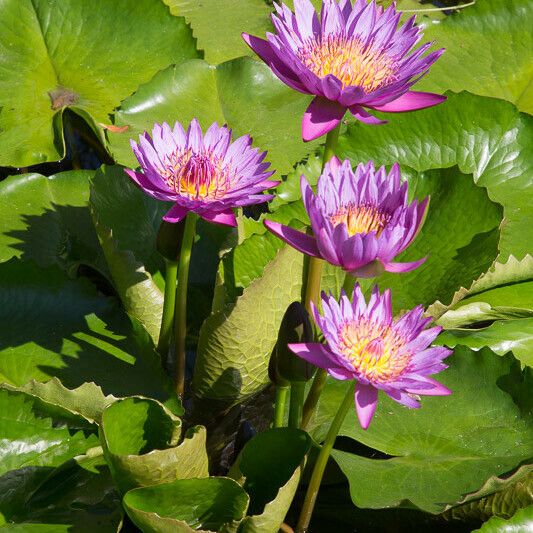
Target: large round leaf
x,y
450,446
221,42
46,220
87,56
484,137
488,52
242,93
55,327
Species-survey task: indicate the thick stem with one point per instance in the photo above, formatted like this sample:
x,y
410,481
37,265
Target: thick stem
x,y
312,396
312,292
279,407
180,315
297,401
169,304
321,462
349,284
331,144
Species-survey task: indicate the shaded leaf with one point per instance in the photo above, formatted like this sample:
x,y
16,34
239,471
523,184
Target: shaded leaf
x,y
56,327
79,496
269,469
45,219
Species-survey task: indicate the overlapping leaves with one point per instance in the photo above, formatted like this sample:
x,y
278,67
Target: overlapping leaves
x,y
87,57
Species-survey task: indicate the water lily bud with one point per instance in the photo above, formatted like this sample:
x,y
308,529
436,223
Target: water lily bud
x,y
169,239
295,328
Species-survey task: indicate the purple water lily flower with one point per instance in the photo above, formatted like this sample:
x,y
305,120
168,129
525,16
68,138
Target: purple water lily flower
x,y
366,344
361,220
352,57
207,174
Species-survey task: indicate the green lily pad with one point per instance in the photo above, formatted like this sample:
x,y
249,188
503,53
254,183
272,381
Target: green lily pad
x,y
520,522
46,220
221,42
497,497
87,58
219,505
446,449
78,495
76,335
242,93
31,445
488,51
269,468
140,439
504,291
484,138
501,337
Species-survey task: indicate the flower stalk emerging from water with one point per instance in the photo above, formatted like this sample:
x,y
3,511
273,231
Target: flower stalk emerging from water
x,y
365,343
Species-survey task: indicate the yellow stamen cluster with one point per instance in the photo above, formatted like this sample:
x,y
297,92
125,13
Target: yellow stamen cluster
x,y
380,364
196,175
361,219
352,62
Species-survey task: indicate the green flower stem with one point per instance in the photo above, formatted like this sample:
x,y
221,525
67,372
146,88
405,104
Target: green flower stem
x,y
169,304
349,284
320,465
296,404
279,406
180,315
312,396
331,144
312,291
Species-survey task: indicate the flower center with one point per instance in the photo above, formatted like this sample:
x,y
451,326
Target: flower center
x,y
374,350
197,175
352,62
361,219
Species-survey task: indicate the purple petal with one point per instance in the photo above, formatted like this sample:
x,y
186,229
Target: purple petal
x,y
360,114
403,267
320,117
148,186
264,50
411,101
315,353
302,242
429,387
403,398
366,400
175,214
227,218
